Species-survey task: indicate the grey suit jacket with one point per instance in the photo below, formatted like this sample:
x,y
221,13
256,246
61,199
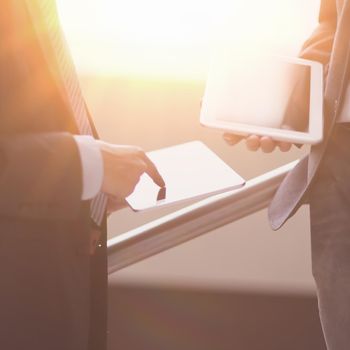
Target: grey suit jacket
x,y
52,292
329,44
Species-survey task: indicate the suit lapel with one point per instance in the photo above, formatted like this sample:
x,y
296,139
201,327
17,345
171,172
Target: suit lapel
x,y
39,25
42,36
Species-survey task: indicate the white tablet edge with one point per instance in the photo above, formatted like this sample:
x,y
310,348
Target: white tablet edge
x,y
164,204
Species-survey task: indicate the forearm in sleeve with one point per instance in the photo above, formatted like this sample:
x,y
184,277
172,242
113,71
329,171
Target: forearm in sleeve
x,y
40,176
318,48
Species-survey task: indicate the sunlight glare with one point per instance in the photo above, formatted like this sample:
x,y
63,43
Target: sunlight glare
x,y
174,38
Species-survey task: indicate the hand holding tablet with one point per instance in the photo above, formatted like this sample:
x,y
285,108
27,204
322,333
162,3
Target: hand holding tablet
x,y
277,98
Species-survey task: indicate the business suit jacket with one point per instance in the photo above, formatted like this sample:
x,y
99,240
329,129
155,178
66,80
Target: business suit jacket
x,y
330,45
52,292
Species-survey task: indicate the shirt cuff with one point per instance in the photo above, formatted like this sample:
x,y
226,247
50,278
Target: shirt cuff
x,y
92,165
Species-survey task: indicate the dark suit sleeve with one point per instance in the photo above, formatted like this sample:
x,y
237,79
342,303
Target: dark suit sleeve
x,y
40,176
318,48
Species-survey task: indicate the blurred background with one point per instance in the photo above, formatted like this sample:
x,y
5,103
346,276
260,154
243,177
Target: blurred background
x,y
143,66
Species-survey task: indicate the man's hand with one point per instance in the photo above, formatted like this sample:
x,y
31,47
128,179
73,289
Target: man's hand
x,y
254,143
123,167
114,204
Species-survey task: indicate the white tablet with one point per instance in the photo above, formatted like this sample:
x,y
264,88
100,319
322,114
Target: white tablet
x,y
190,171
254,95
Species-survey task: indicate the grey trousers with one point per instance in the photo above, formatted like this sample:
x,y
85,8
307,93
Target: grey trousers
x,y
329,200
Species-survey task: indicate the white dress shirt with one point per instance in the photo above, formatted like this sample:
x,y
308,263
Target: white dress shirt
x,y
92,165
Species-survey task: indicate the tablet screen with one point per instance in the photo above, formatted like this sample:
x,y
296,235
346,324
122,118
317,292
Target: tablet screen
x,y
260,94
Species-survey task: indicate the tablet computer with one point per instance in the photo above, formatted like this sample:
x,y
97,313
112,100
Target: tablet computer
x,y
190,171
251,95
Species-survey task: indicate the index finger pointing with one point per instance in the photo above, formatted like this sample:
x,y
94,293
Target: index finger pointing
x,y
153,172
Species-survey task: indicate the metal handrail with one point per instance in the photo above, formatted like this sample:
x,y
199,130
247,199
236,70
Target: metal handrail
x,y
194,220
